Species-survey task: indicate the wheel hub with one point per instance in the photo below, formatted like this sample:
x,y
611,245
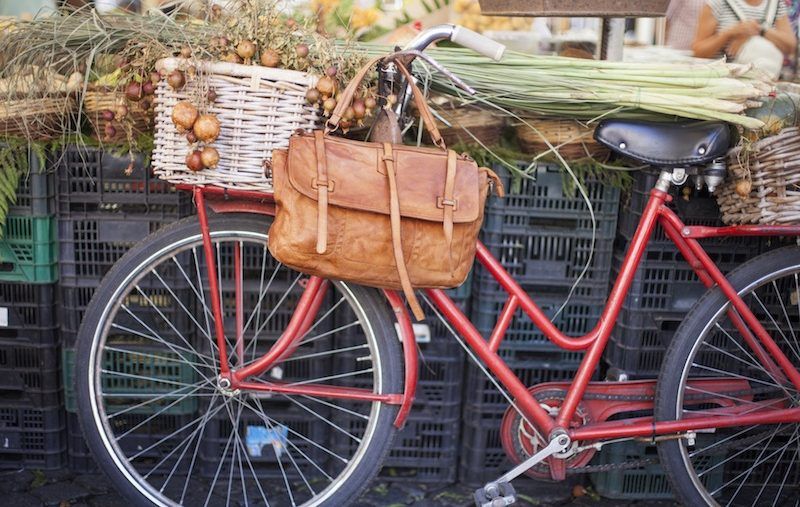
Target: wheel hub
x,y
224,387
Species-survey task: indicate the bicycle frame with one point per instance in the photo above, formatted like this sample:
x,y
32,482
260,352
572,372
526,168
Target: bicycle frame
x,y
594,342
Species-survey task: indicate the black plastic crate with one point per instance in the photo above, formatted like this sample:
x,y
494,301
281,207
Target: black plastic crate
x,y
91,180
29,375
36,192
424,451
79,457
639,341
544,236
32,437
28,313
485,401
523,339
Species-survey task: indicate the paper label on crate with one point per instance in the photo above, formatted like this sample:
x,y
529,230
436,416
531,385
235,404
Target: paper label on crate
x,y
422,332
3,316
257,437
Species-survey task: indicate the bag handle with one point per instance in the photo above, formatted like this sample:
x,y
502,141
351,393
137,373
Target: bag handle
x,y
419,99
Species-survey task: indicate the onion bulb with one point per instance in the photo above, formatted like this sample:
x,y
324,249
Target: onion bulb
x,y
348,114
391,99
121,112
110,131
145,104
246,49
148,88
331,71
743,187
232,57
326,86
270,58
329,104
210,157
359,109
133,91
194,161
370,103
312,96
206,128
186,52
176,79
184,115
211,96
155,77
107,115
301,50
190,137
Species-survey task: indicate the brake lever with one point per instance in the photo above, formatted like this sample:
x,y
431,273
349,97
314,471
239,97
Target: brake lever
x,y
433,63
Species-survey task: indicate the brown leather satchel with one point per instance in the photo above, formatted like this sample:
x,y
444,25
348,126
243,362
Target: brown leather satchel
x,y
377,214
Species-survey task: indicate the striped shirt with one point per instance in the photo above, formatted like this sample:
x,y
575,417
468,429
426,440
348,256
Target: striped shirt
x,y
727,18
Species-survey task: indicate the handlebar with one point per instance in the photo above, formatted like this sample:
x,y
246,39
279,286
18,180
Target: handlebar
x,y
460,35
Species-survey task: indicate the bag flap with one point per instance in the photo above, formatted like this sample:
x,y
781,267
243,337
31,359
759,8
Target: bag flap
x,y
359,178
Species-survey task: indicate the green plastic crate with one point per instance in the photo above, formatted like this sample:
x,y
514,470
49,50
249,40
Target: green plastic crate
x,y
29,250
143,363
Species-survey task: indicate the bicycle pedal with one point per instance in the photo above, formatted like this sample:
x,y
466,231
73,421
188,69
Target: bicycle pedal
x,y
495,495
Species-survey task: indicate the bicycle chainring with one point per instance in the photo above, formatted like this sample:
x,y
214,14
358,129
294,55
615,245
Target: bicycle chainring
x,y
520,441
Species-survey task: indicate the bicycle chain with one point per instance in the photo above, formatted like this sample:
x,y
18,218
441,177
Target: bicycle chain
x,y
632,464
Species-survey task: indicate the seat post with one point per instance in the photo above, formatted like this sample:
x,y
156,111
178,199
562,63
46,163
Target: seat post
x,y
664,180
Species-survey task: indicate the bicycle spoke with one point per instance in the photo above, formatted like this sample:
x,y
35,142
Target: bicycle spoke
x,y
180,303
151,400
326,421
777,327
331,377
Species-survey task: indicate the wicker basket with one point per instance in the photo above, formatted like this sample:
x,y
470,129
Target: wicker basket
x,y
581,8
40,119
97,101
573,140
482,124
772,166
258,108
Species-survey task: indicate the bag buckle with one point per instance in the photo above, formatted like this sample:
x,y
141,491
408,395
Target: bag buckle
x,y
329,184
441,202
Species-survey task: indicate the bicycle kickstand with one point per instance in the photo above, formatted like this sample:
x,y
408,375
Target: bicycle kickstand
x,y
500,492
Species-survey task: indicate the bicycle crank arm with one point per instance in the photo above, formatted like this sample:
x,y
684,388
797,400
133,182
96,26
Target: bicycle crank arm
x,y
500,493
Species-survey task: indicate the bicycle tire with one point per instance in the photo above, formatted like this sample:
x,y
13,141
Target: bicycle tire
x,y
116,292
735,466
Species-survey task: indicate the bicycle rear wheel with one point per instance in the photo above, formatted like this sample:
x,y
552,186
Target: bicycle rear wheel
x,y
146,377
744,465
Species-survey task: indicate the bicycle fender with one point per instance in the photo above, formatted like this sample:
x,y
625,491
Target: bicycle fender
x,y
410,358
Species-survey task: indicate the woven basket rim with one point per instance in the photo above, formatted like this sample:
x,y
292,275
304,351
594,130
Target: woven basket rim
x,y
237,70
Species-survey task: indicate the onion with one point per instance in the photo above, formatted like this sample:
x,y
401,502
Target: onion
x,y
133,92
186,52
348,114
270,58
331,71
148,88
359,109
190,137
121,112
210,157
206,128
194,161
326,86
145,104
176,79
184,115
211,96
224,42
301,50
232,57
391,99
246,49
107,115
312,96
155,77
110,131
329,104
743,187
370,103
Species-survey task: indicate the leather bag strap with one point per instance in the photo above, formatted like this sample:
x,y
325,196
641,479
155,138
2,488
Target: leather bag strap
x,y
397,245
449,203
346,99
323,187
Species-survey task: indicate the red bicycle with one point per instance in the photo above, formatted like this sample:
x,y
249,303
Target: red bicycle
x,y
204,367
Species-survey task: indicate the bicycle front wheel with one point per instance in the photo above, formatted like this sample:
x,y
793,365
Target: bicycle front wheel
x,y
742,465
147,365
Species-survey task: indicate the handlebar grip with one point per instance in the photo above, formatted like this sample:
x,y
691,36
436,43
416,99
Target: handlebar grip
x,y
478,43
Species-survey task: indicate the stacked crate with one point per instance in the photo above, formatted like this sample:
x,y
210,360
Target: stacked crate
x,y
542,233
32,425
426,449
106,204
